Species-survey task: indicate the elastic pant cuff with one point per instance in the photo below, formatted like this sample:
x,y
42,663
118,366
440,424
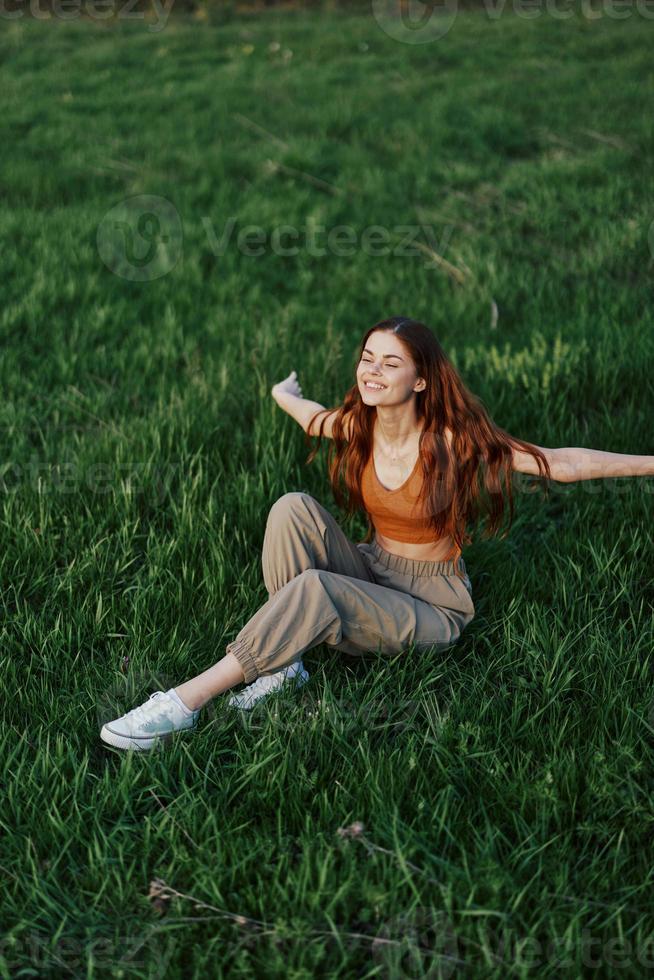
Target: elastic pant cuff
x,y
243,653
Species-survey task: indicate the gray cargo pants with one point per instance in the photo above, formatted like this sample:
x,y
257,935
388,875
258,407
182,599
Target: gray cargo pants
x,y
357,598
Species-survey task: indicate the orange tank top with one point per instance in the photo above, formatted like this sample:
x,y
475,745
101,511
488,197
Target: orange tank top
x,y
397,513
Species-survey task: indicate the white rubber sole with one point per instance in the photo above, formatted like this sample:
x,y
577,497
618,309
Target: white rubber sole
x,y
138,744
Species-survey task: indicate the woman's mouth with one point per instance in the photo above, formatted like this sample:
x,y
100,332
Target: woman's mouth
x,y
374,387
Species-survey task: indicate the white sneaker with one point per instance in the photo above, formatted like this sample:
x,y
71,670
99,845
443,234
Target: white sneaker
x,y
157,718
266,684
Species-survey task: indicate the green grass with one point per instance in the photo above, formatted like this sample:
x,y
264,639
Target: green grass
x,y
505,787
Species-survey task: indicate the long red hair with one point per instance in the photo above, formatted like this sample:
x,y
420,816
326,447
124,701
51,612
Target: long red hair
x,y
451,494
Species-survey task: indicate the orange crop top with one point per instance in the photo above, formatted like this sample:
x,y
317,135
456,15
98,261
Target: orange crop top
x,y
395,513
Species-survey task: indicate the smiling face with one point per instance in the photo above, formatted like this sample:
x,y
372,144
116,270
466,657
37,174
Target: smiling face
x,y
386,362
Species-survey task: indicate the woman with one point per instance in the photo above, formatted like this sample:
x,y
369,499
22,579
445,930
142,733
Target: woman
x,y
410,442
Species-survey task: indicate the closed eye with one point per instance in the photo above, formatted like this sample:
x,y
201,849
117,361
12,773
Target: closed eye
x,y
388,364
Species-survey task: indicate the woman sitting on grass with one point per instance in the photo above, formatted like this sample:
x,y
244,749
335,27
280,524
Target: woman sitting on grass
x,y
410,441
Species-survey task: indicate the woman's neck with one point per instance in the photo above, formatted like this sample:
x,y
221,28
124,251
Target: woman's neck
x,y
397,434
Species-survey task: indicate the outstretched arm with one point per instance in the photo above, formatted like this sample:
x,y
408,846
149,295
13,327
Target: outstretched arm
x,y
570,464
595,464
288,395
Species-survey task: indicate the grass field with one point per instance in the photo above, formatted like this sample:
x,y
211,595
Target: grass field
x,y
484,812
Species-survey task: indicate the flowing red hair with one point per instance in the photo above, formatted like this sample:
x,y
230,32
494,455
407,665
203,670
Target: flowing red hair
x,y
451,487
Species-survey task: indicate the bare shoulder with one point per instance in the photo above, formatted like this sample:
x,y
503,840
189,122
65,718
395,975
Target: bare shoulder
x,y
328,430
521,462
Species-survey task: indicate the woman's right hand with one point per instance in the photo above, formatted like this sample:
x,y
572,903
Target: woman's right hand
x,y
289,384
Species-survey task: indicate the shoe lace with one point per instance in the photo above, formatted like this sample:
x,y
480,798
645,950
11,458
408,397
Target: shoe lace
x,y
143,711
